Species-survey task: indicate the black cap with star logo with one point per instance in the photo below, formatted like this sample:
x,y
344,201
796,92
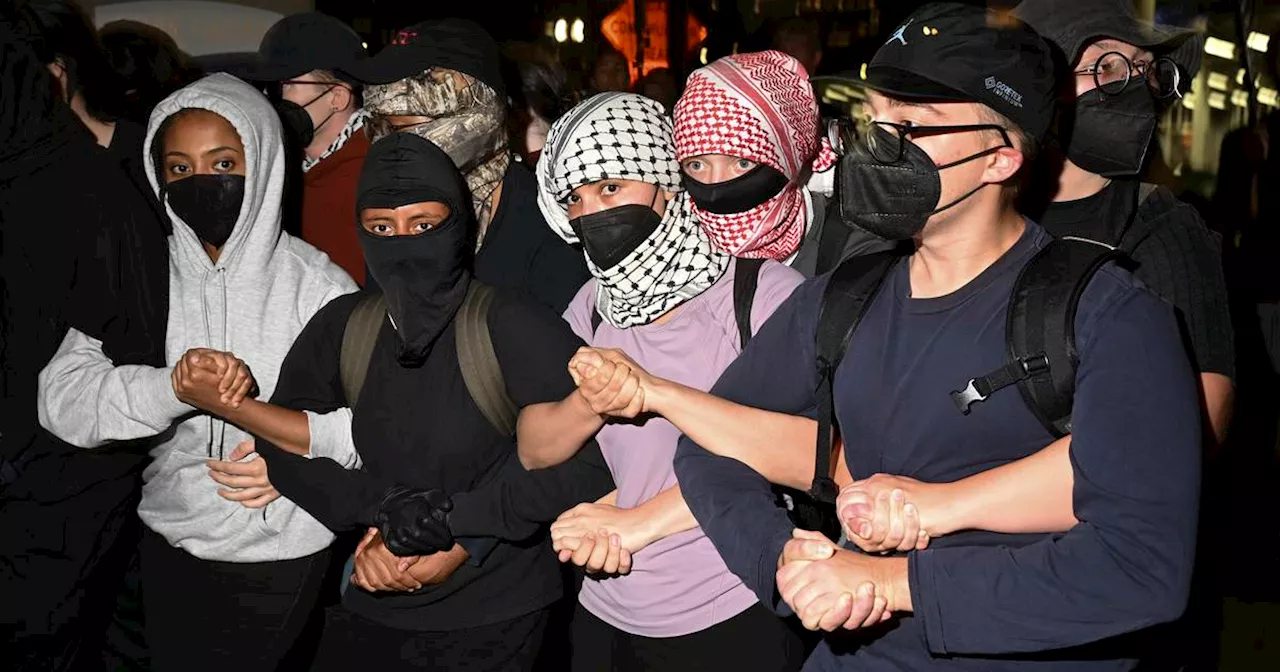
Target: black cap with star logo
x,y
954,52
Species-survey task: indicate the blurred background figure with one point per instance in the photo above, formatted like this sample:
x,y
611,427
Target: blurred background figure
x,y
148,62
610,71
802,40
540,92
660,85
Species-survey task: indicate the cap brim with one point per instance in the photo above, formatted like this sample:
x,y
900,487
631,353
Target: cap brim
x,y
386,67
1180,44
906,84
260,70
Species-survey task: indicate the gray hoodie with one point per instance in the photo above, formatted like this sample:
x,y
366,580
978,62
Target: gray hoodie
x,y
253,302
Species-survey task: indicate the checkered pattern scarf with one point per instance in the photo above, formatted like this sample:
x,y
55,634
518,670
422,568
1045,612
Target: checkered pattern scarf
x,y
760,107
354,124
625,136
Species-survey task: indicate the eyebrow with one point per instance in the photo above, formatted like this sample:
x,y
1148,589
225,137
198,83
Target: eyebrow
x,y
926,107
224,148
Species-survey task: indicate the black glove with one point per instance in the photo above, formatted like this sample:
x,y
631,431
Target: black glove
x,y
414,521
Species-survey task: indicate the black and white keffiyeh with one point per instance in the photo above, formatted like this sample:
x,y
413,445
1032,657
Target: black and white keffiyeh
x,y
625,136
355,123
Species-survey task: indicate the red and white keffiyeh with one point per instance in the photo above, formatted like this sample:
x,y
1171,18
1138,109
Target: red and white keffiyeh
x,y
760,107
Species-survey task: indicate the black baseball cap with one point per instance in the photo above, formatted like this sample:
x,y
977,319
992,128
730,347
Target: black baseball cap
x,y
452,44
300,43
1071,25
961,53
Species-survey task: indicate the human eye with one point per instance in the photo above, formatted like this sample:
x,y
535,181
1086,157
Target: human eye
x,y
179,169
610,188
572,199
381,230
224,165
693,166
744,164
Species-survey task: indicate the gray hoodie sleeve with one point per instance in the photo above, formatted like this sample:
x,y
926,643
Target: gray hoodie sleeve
x,y
331,437
87,401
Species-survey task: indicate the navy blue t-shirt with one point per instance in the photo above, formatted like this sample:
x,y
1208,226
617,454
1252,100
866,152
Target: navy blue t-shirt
x,y
985,601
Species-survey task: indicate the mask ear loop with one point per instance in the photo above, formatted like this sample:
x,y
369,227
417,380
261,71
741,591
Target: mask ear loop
x,y
986,152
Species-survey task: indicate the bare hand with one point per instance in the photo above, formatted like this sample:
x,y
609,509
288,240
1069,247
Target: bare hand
x,y
377,570
884,513
436,568
211,380
249,482
830,593
599,553
610,381
629,525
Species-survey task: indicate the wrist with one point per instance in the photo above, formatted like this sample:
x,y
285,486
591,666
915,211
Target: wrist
x,y
894,580
659,395
944,510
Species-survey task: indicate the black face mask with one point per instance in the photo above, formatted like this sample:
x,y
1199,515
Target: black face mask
x,y
740,194
297,121
1109,135
209,204
424,279
610,235
894,201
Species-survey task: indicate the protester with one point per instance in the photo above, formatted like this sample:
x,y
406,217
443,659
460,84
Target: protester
x,y
442,80
747,138
100,269
1128,471
542,96
243,286
1124,72
416,222
307,56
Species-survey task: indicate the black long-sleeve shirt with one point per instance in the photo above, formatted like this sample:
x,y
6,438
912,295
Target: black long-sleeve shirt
x,y
985,601
420,427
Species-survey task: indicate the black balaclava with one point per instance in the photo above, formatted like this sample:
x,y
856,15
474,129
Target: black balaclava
x,y
423,277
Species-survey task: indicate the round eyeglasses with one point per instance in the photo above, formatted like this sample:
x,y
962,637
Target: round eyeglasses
x,y
1113,71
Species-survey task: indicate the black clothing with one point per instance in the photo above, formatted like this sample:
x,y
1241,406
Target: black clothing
x,y
522,253
79,247
423,277
354,643
1180,261
984,601
453,44
300,43
419,427
207,615
831,240
753,641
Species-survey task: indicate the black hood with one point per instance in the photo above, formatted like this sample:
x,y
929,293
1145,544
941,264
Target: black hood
x,y
424,277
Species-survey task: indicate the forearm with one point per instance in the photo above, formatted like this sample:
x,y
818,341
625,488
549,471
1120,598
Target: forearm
x,y
286,429
1030,495
778,446
550,433
667,514
1218,396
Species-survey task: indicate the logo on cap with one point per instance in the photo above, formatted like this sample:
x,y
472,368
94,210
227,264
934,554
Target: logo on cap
x,y
900,34
404,37
1004,91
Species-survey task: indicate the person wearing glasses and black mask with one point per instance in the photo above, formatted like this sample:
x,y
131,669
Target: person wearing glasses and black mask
x,y
1121,74
306,56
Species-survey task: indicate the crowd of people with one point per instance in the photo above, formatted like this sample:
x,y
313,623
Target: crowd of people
x,y
425,360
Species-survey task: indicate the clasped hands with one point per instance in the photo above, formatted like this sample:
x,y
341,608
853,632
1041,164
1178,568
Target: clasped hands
x,y
610,382
212,381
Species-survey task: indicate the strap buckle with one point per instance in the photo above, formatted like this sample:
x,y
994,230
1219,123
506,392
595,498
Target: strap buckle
x,y
968,396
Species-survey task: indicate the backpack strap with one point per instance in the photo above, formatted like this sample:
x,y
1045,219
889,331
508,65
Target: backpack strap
x,y
746,277
478,362
1146,214
358,339
849,293
1040,333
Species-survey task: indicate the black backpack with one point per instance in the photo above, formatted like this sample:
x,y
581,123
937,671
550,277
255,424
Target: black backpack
x,y
1040,332
476,357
